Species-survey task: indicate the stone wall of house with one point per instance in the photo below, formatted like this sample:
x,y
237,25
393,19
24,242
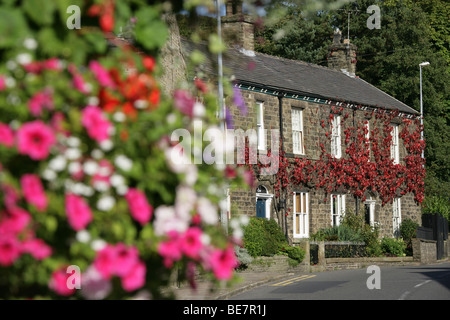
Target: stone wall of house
x,y
244,201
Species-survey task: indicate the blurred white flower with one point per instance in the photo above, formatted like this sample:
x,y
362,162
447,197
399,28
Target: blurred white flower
x,y
58,163
124,163
117,180
207,211
100,186
30,43
140,104
72,153
49,175
167,220
97,154
73,142
90,167
122,190
106,145
24,58
199,110
106,203
93,101
83,236
119,116
98,244
74,167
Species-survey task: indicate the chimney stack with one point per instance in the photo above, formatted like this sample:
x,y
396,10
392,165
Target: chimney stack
x,y
238,28
342,54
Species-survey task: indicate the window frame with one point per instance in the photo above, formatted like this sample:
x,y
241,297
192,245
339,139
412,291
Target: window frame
x,y
336,140
395,148
339,200
260,125
396,216
298,144
301,217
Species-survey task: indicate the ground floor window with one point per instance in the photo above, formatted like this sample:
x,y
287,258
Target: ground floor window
x,y
369,211
301,219
397,216
337,208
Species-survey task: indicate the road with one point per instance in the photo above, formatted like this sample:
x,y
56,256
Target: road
x,y
425,282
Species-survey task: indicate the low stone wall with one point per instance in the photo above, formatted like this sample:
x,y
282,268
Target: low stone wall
x,y
424,251
278,263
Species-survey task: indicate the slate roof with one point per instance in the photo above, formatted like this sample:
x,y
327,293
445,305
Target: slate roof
x,y
300,77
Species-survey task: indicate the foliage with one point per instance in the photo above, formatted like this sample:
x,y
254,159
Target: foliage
x,y
88,171
263,237
295,253
408,229
243,257
391,246
437,204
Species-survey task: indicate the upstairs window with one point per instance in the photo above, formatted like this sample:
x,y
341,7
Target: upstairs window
x,y
336,137
395,155
260,125
297,131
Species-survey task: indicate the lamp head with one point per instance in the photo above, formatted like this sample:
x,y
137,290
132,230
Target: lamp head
x,y
423,64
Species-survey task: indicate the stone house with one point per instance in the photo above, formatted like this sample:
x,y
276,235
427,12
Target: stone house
x,y
294,97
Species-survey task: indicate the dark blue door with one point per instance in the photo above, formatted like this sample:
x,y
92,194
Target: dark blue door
x,y
261,208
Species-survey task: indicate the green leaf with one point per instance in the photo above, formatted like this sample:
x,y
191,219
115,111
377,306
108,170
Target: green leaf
x,y
150,31
13,27
40,11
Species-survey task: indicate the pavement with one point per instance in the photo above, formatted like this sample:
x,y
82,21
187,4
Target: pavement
x,y
207,290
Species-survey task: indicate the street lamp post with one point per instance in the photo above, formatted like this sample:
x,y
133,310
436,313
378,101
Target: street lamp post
x,y
423,64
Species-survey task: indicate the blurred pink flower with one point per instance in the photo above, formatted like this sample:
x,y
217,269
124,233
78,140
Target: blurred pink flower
x,y
140,209
14,221
125,259
58,283
101,74
184,102
135,279
10,195
2,83
6,135
9,250
170,250
34,191
79,83
52,64
78,212
35,140
191,243
223,263
96,124
104,263
39,101
37,248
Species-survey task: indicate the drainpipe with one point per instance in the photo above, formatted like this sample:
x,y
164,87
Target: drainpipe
x,y
282,204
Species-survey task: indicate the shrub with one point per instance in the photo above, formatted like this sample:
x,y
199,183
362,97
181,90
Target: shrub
x,y
295,253
408,229
390,246
263,237
243,257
